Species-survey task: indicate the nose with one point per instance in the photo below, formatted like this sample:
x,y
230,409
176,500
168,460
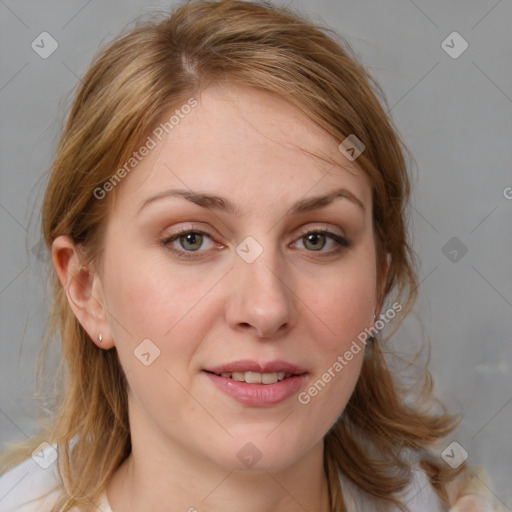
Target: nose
x,y
261,299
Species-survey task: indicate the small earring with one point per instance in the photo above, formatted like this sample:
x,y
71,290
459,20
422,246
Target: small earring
x,y
100,337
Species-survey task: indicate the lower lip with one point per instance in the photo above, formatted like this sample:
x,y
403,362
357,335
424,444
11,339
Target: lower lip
x,y
258,395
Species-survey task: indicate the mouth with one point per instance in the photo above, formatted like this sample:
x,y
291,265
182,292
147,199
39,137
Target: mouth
x,y
258,384
257,372
256,377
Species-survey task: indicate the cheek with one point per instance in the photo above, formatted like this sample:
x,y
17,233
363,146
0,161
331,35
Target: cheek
x,y
338,357
345,309
149,307
151,311
148,298
344,304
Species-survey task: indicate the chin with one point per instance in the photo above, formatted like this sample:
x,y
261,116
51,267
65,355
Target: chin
x,y
259,452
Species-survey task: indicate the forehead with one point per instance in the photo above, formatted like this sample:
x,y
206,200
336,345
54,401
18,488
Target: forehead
x,y
240,139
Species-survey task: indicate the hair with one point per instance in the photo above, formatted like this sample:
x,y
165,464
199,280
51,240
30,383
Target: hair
x,y
155,66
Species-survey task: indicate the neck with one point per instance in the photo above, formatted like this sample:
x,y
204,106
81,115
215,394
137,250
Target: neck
x,y
160,476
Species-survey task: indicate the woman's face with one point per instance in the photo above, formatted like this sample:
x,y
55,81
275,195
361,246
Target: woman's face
x,y
195,284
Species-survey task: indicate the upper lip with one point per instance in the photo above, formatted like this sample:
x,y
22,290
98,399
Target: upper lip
x,y
248,365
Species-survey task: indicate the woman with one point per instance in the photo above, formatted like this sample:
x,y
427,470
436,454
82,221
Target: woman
x,y
226,220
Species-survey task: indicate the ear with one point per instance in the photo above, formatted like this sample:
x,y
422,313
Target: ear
x,y
83,290
380,297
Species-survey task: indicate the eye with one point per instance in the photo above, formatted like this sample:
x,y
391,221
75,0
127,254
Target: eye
x,y
317,240
185,242
188,241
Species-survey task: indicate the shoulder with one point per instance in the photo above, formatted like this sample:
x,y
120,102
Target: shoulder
x,y
33,485
418,496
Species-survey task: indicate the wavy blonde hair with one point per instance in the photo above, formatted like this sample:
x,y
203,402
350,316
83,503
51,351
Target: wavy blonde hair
x,y
156,66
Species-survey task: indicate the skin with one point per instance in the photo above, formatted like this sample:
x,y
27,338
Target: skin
x,y
292,303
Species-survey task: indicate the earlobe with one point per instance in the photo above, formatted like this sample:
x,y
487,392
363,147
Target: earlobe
x,y
83,291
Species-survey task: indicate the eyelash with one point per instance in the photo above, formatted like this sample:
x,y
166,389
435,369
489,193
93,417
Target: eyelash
x,y
342,242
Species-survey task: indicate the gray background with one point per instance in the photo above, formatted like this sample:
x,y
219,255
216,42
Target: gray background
x,y
453,113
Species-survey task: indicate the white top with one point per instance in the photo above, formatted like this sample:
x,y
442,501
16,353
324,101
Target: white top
x,y
22,489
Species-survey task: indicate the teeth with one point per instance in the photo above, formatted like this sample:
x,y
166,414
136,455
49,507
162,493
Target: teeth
x,y
253,377
256,377
268,378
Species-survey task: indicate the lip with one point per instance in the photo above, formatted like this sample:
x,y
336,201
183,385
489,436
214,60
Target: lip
x,y
249,365
258,395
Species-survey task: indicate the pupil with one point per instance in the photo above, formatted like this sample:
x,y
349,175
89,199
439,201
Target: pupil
x,y
315,237
194,239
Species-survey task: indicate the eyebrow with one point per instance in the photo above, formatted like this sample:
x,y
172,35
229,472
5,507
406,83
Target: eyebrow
x,y
212,201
